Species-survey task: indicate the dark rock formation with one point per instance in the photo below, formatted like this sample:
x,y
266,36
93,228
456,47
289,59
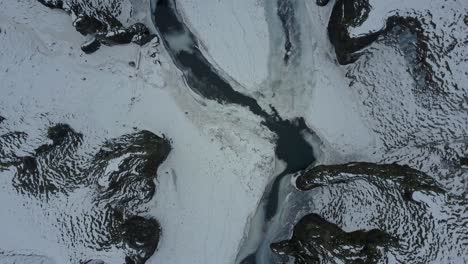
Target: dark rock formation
x,y
352,14
141,237
138,157
136,33
286,15
322,2
344,15
52,3
408,180
91,46
53,167
464,161
102,24
314,238
124,171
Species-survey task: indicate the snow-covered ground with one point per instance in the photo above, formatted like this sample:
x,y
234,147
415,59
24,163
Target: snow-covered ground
x,y
234,35
245,39
221,158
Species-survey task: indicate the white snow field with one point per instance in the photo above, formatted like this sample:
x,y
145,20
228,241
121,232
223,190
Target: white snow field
x,y
223,157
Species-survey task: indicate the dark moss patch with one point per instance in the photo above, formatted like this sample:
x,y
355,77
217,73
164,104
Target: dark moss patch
x,y
408,180
314,238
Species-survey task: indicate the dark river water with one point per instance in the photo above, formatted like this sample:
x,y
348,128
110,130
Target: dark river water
x,y
358,212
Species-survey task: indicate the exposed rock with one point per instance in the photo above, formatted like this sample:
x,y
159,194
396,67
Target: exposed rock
x,y
124,170
88,25
408,180
352,14
137,33
62,135
91,46
322,2
286,15
314,238
93,261
52,3
464,161
138,157
141,237
344,15
101,23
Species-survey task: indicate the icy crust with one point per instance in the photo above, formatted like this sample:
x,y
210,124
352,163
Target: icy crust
x,y
302,87
401,101
220,162
234,37
107,22
311,85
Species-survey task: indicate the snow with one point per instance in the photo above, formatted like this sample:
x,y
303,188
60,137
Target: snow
x,y
222,158
234,35
216,173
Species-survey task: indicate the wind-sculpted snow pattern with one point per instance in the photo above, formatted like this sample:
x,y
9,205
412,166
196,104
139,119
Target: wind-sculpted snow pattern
x,y
313,235
106,21
418,108
367,213
234,131
405,66
120,177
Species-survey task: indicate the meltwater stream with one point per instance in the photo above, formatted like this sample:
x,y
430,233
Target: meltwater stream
x,y
359,212
201,76
344,202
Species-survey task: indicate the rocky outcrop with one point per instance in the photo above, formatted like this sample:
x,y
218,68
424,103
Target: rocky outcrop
x,y
347,15
360,213
314,237
407,179
100,21
122,174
